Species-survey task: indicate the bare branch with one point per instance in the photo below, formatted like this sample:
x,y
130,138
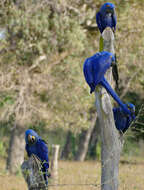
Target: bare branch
x,y
129,82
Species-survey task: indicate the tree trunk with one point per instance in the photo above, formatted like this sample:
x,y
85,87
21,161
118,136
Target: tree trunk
x,y
68,146
92,149
111,140
16,149
84,142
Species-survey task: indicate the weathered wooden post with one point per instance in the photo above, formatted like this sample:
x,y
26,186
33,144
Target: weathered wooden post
x,y
31,170
54,163
110,137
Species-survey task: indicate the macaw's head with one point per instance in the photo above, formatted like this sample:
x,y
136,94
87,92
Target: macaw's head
x,y
109,57
131,107
107,8
113,60
31,137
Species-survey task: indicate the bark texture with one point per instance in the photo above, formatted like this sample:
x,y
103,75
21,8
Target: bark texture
x,y
110,137
31,170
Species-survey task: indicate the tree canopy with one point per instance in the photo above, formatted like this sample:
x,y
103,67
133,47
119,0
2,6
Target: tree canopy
x,y
42,55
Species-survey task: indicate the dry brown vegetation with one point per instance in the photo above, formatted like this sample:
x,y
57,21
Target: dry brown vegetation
x,y
131,176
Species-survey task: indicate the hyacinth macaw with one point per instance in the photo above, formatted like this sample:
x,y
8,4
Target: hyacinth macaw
x,y
106,17
94,69
35,145
122,121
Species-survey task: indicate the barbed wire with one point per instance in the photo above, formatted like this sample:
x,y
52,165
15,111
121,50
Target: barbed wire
x,y
83,184
76,184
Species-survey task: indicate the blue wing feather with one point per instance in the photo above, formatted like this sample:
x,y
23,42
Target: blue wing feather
x,y
28,150
43,153
88,73
99,22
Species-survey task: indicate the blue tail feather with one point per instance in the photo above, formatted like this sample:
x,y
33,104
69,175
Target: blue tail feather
x,y
109,89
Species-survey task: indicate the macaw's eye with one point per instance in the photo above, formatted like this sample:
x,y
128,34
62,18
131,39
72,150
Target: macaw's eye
x,y
31,139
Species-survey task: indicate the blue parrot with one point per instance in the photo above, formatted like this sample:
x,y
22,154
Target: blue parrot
x,y
35,145
122,121
94,69
106,17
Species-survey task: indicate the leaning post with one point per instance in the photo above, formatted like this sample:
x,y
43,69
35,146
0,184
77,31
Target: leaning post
x,y
31,170
110,137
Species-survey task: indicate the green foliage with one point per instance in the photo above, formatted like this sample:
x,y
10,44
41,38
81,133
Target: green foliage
x,y
131,147
34,29
37,28
6,100
2,149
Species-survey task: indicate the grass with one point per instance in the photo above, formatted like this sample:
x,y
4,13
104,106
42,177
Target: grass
x,y
131,176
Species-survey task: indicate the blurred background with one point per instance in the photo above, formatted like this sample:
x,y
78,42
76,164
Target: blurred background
x,y
43,45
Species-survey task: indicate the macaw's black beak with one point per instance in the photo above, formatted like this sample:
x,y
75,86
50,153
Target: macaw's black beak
x,y
31,139
109,10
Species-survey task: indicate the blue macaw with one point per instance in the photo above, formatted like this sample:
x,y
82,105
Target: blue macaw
x,y
94,69
106,17
122,121
35,145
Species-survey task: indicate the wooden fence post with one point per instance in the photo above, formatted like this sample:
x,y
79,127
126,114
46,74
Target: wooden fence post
x,y
54,163
110,137
31,170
